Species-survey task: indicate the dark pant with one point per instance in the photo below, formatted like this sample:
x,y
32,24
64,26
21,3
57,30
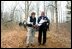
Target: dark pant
x,y
42,32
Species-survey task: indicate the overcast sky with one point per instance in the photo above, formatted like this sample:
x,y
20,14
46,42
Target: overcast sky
x,y
8,5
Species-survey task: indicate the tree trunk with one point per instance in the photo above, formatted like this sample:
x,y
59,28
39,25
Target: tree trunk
x,y
56,17
44,6
37,8
26,9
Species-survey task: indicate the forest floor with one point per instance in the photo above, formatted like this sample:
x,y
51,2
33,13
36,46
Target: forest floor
x,y
14,36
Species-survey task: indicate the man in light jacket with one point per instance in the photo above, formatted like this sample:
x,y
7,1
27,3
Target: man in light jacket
x,y
31,21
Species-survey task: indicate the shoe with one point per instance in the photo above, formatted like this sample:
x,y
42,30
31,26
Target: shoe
x,y
43,44
39,44
32,45
27,46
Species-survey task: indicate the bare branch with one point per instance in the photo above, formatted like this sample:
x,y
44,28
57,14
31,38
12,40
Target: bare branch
x,y
30,3
51,5
22,9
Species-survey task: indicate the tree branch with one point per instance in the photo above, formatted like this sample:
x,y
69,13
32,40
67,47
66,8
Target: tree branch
x,y
51,5
22,9
30,3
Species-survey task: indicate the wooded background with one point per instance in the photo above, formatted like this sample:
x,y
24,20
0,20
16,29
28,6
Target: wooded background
x,y
15,12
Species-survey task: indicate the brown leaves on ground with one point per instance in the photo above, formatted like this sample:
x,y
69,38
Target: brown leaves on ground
x,y
15,37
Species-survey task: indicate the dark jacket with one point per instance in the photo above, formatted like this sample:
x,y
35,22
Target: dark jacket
x,y
44,25
31,20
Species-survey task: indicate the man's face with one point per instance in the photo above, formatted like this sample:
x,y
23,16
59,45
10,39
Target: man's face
x,y
33,15
42,14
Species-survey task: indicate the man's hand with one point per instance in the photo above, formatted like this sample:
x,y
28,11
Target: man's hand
x,y
35,26
47,23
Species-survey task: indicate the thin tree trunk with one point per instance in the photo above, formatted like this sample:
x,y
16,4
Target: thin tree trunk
x,y
37,8
44,6
25,9
56,17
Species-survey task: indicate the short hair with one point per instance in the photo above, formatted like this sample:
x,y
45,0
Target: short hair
x,y
33,13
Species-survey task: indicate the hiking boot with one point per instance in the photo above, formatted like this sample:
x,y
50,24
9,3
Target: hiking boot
x,y
39,44
44,44
32,45
27,45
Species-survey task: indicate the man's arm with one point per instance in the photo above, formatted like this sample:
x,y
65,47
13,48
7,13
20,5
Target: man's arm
x,y
38,19
48,23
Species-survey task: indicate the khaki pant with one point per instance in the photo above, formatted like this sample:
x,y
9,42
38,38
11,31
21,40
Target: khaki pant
x,y
30,35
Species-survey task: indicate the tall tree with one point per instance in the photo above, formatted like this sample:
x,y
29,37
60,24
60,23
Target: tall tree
x,y
68,6
27,5
56,16
52,13
37,5
2,8
13,10
51,6
44,6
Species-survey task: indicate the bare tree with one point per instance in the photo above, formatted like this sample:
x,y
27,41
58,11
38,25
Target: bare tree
x,y
61,15
51,7
45,8
56,16
2,8
52,13
68,15
37,5
27,5
12,12
68,6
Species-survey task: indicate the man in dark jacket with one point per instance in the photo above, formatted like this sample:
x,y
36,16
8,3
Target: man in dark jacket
x,y
44,25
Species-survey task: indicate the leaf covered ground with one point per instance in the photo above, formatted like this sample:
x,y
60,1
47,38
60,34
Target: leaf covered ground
x,y
15,37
